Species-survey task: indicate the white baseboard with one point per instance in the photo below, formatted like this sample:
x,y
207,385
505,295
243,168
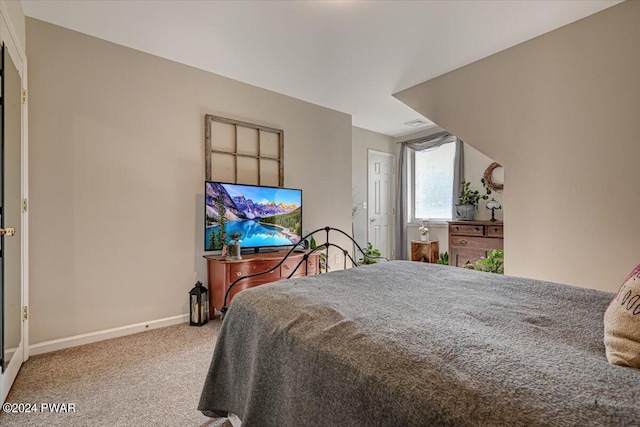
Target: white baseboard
x,y
8,353
74,341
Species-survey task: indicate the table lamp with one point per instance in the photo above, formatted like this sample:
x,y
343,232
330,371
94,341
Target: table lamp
x,y
493,204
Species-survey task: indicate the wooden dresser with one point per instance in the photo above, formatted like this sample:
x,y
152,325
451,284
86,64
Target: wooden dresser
x,y
471,240
222,272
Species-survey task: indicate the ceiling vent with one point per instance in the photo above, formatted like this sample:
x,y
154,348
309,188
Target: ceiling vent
x,y
415,123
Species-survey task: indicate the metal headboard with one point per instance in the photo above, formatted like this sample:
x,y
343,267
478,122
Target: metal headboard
x,y
305,259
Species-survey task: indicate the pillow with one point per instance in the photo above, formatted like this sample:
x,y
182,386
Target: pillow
x,y
622,324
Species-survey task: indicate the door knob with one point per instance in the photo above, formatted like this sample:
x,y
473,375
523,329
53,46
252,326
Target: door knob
x,y
9,231
372,220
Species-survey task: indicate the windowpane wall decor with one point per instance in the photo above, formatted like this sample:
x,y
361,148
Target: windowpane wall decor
x,y
243,153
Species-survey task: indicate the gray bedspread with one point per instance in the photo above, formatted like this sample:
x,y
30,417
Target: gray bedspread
x,y
414,344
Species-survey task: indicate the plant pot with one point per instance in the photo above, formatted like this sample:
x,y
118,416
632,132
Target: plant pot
x,y
465,212
424,237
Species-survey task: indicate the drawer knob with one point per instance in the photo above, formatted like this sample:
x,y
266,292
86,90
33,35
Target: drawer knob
x,y
463,242
456,229
476,229
495,230
238,273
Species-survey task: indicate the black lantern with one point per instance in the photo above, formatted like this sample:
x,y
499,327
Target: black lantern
x,y
198,305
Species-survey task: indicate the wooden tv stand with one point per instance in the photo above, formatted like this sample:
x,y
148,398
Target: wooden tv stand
x,y
222,272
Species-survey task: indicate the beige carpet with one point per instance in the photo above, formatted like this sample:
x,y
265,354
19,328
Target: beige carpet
x,y
149,379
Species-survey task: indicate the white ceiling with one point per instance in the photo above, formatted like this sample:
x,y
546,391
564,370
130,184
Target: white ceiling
x,y
346,55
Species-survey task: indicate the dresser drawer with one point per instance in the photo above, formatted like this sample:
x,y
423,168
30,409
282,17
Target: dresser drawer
x,y
467,230
306,268
493,231
312,265
463,256
484,243
290,265
241,269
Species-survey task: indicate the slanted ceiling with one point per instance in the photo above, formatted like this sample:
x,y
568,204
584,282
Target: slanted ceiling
x,y
349,56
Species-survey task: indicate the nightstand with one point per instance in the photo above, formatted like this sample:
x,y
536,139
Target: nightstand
x,y
428,251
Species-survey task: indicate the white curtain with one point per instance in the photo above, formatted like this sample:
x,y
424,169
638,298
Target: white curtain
x,y
419,144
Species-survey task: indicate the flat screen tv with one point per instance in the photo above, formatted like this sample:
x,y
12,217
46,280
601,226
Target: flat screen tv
x,y
265,217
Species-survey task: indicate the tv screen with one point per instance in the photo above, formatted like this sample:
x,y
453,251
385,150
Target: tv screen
x,y
263,216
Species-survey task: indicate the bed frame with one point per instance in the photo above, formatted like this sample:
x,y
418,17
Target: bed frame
x,y
301,246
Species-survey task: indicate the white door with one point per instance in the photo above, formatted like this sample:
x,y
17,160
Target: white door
x,y
381,174
12,220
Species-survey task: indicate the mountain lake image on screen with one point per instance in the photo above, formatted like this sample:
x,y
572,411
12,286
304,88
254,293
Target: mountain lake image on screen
x,y
262,216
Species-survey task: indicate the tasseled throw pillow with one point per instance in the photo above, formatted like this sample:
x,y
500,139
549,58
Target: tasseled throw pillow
x,y
622,324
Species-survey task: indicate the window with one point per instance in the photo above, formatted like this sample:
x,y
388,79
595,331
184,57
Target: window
x,y
433,183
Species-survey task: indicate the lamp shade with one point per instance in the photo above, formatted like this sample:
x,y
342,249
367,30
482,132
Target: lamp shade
x,y
493,204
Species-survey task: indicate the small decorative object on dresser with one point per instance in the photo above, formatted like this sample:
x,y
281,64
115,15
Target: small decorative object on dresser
x,y
425,251
471,240
493,205
233,248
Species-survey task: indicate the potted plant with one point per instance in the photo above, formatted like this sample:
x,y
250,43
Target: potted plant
x,y
443,259
493,263
424,232
369,252
468,201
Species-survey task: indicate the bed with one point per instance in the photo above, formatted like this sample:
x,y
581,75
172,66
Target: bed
x,y
413,344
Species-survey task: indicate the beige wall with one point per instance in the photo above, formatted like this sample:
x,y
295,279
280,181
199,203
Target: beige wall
x,y
561,113
362,141
117,170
